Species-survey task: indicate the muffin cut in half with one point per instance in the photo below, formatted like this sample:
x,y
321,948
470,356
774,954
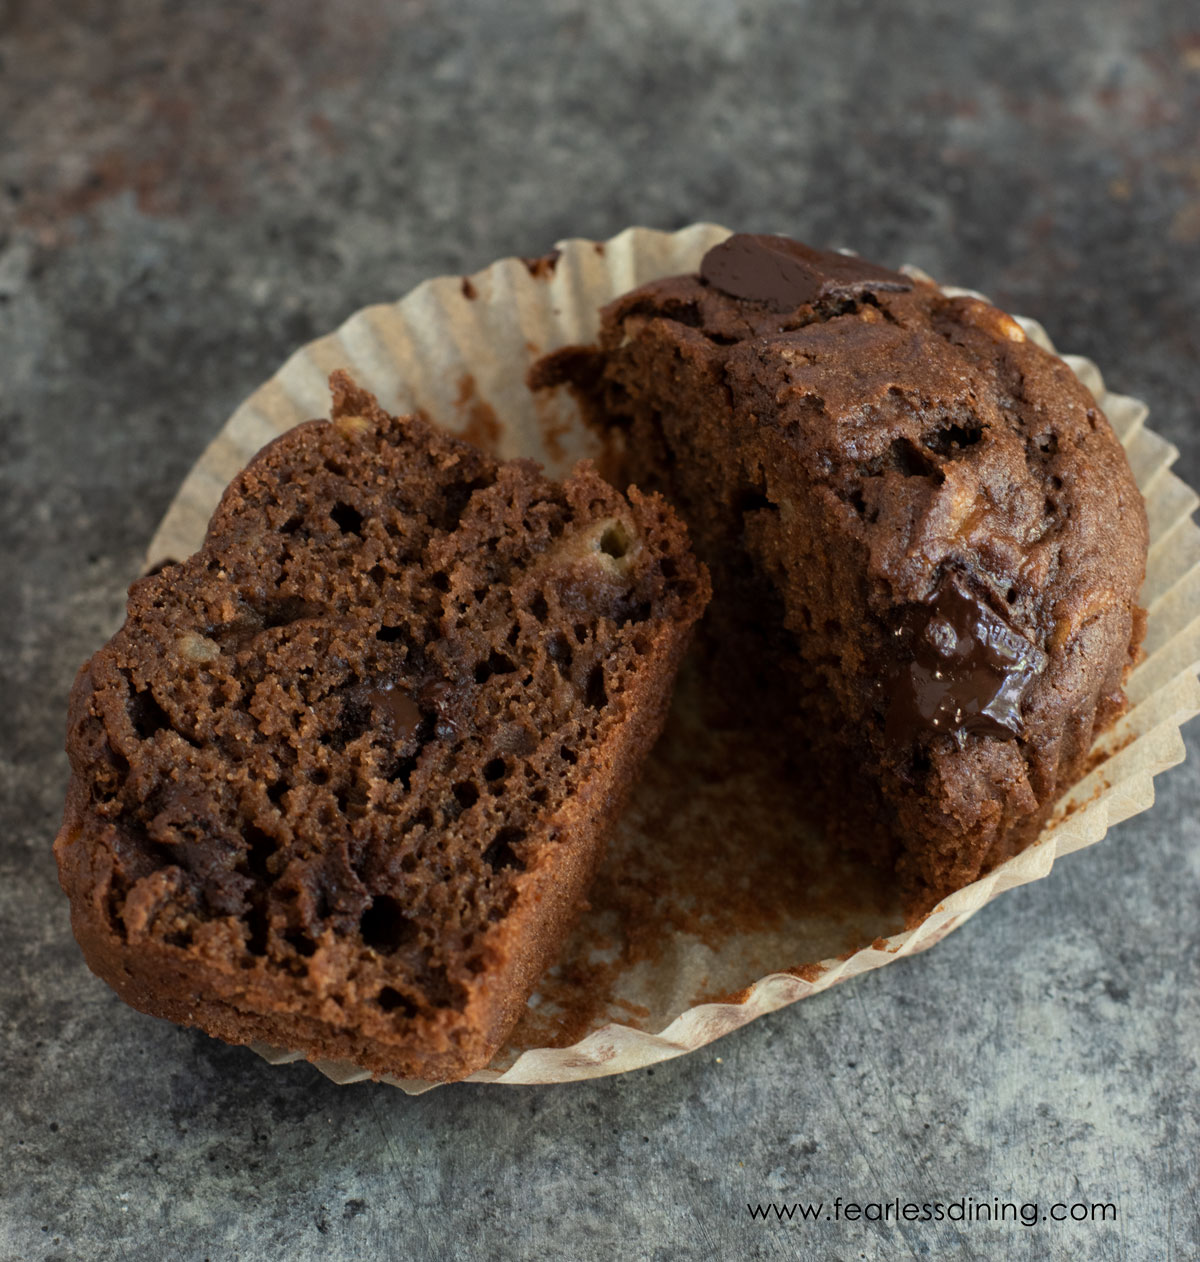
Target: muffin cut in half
x,y
925,540
341,780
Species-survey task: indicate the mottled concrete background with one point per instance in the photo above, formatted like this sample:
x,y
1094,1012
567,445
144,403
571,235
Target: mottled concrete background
x,y
188,191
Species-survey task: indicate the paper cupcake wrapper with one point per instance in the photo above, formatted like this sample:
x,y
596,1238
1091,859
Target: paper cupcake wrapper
x,y
659,966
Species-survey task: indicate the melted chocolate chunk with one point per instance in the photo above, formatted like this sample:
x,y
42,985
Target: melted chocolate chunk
x,y
968,672
396,710
785,274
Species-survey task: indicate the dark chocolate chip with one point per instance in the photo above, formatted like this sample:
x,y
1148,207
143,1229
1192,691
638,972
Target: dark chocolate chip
x,y
395,710
784,274
967,671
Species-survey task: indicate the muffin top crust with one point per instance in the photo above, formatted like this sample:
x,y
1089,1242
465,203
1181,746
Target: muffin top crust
x,y
1000,519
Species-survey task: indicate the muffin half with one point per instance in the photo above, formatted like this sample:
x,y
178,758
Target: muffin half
x,y
925,539
342,778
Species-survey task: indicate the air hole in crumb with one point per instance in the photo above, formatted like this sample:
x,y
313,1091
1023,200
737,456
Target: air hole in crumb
x,y
258,928
627,611
500,853
292,524
384,926
1051,507
595,694
466,794
455,499
495,770
318,776
391,1000
300,942
347,519
260,846
904,457
539,608
667,568
391,635
355,802
286,610
614,542
377,574
147,715
568,755
951,438
558,649
276,791
401,772
1011,595
496,664
752,502
422,819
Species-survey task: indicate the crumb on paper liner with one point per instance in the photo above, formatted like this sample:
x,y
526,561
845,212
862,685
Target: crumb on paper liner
x,y
664,962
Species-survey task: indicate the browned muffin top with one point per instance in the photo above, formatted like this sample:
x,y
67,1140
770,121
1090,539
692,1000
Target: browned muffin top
x,y
962,456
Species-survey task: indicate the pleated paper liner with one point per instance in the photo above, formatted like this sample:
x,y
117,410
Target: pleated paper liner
x,y
714,905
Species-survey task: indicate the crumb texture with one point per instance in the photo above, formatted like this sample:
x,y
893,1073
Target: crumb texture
x,y
342,777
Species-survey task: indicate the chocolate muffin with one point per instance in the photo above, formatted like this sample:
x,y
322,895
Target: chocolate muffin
x,y
340,781
926,542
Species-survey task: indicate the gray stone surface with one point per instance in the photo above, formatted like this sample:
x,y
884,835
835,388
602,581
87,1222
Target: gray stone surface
x,y
190,190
